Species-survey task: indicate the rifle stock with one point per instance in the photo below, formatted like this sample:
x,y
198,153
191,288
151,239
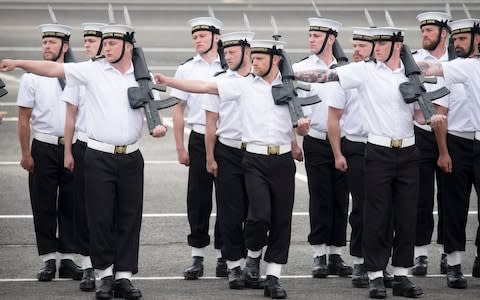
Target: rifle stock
x,y
414,90
142,95
3,91
286,93
339,54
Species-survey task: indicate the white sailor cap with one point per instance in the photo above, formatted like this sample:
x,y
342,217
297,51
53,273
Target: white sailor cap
x,y
464,25
325,25
93,29
393,34
56,30
241,38
206,23
434,18
118,31
267,46
362,34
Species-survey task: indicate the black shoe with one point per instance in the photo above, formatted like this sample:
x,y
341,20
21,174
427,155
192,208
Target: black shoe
x,y
235,278
336,266
47,272
402,286
69,269
319,268
221,270
273,289
387,279
251,273
125,289
476,267
88,280
359,276
105,290
377,289
195,270
455,277
420,267
443,264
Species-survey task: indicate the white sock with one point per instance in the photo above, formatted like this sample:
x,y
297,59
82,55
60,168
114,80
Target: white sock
x,y
454,258
104,273
335,250
233,264
254,254
399,271
199,251
219,253
86,262
375,275
421,251
357,260
121,275
70,256
319,250
273,269
48,256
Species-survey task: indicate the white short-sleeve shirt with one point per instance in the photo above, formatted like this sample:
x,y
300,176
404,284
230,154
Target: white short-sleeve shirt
x,y
79,102
385,111
109,117
229,124
43,95
466,71
263,122
195,69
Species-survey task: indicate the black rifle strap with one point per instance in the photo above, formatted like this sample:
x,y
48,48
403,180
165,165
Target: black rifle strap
x,y
62,83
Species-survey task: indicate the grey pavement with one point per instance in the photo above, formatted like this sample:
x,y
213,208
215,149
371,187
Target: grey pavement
x,y
163,32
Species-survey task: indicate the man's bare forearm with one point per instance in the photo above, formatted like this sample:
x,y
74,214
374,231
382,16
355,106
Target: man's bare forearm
x,y
317,76
429,68
40,67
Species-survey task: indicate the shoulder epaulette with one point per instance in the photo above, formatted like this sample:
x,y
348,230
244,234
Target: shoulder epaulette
x,y
98,57
187,60
219,73
414,52
370,59
303,59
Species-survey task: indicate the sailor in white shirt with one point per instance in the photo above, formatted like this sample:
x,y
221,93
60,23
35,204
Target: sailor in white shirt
x,y
113,162
466,36
391,161
74,156
51,186
206,63
434,30
268,165
224,148
345,118
327,186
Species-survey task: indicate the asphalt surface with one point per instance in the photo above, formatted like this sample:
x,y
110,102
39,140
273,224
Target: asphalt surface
x,y
164,34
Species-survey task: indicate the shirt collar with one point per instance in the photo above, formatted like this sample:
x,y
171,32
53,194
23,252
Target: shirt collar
x,y
108,66
198,58
320,62
380,65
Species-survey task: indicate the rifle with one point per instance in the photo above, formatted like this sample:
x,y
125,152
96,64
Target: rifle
x,y
452,53
339,55
3,91
286,93
142,95
414,90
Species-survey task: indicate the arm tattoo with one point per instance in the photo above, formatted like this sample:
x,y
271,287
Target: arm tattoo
x,y
332,75
318,76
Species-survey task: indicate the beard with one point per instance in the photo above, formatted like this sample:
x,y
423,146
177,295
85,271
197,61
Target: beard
x,y
429,45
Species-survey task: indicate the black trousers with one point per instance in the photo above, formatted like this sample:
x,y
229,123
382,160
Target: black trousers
x,y
114,203
354,153
232,201
476,166
328,191
270,183
391,187
82,235
457,187
428,171
52,198
199,195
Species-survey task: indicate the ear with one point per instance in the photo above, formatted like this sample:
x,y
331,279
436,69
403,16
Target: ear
x,y
331,39
276,60
444,33
216,38
65,47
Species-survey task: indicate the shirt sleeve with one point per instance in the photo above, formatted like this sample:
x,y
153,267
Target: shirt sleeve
x,y
336,97
78,73
179,94
352,75
211,103
456,71
26,91
230,89
72,94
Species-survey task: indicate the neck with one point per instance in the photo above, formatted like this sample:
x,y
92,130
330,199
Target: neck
x,y
244,69
210,56
270,77
439,51
123,65
393,63
326,56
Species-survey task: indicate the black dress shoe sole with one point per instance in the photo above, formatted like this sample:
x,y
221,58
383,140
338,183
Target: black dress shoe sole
x,y
360,283
320,274
123,295
457,284
268,293
45,277
378,294
236,284
339,272
419,271
192,275
87,286
104,296
69,274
